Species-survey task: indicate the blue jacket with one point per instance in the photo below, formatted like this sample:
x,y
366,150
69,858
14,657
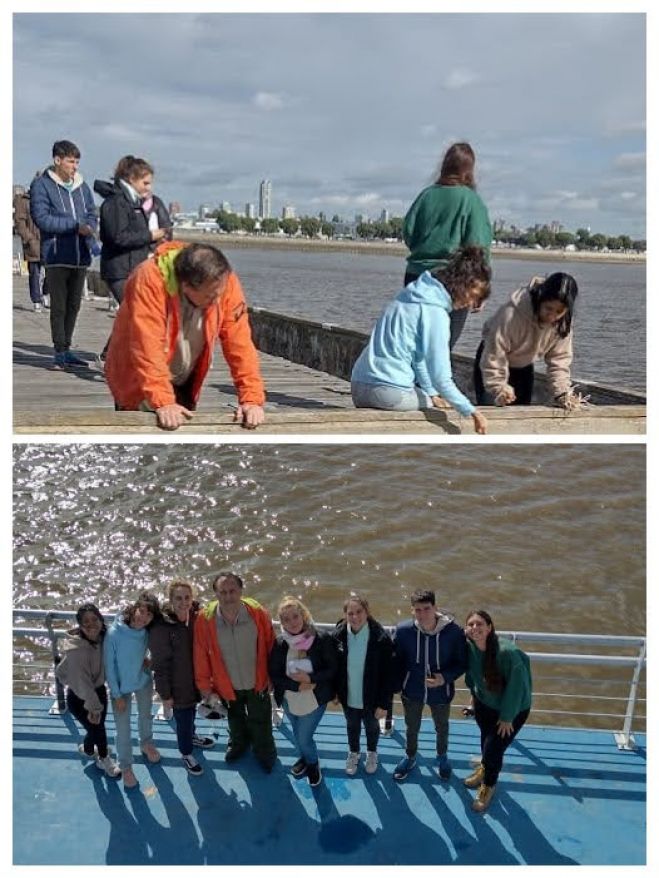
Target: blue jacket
x,y
124,649
417,654
58,213
409,344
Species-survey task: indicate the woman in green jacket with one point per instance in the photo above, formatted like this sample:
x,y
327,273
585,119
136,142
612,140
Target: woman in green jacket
x,y
499,678
445,216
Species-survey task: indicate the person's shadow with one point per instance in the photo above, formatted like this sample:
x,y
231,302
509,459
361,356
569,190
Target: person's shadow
x,y
39,356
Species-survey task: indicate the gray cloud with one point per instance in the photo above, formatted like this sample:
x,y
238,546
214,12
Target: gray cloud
x,y
353,108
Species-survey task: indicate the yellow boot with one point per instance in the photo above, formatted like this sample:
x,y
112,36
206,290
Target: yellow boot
x,y
483,798
475,779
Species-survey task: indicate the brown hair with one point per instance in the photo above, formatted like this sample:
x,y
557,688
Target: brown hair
x,y
491,673
355,598
457,167
466,267
198,263
289,601
174,585
144,599
129,167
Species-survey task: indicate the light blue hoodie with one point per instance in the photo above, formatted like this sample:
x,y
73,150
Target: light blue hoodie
x,y
124,649
409,344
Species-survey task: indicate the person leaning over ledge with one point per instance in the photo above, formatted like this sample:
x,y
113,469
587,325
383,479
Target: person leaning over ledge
x,y
174,308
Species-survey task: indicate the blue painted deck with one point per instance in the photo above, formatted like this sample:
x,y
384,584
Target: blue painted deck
x,y
566,796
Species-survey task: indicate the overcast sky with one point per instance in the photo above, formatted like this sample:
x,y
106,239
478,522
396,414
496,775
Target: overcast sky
x,y
347,113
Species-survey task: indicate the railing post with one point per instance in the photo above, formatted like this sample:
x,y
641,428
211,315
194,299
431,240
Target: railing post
x,y
625,739
59,705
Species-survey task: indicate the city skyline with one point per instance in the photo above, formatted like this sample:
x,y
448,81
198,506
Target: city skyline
x,y
360,136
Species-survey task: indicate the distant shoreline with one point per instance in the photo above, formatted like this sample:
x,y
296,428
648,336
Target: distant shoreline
x,y
265,242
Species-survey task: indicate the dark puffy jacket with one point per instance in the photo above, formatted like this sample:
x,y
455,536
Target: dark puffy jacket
x,y
170,643
58,213
125,232
324,660
378,667
417,653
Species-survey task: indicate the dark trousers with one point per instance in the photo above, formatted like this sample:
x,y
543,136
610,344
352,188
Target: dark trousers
x,y
521,381
96,736
34,280
65,286
116,287
250,722
183,395
184,718
413,711
354,718
457,316
493,746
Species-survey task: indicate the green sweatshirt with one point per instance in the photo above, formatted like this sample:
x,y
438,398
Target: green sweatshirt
x,y
516,672
442,219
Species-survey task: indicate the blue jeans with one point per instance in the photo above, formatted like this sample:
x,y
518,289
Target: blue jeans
x,y
184,718
303,731
389,398
34,276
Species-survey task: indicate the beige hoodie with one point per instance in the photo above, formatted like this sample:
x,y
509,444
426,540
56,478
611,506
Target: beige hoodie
x,y
513,337
82,669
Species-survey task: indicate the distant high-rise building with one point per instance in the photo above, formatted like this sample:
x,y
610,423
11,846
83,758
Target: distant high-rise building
x,y
265,199
174,208
384,216
288,212
204,210
226,207
250,210
361,218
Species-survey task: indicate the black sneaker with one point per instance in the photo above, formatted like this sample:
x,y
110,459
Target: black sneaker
x,y
233,753
314,774
192,765
299,768
202,741
267,764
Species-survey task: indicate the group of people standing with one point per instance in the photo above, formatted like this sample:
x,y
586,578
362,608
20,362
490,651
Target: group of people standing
x,y
228,656
178,300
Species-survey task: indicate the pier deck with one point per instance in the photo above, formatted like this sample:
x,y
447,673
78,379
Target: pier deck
x,y
301,400
566,796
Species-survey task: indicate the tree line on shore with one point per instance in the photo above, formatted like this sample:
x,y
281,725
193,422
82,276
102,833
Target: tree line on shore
x,y
392,230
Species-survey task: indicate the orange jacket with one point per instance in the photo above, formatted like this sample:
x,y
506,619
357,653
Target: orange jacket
x,y
210,671
145,332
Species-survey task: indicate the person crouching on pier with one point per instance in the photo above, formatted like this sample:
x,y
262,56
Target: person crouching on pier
x,y
82,671
127,671
303,666
535,323
175,306
406,365
499,678
171,648
364,681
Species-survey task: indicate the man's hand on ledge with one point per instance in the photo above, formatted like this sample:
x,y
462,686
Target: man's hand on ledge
x,y
250,416
170,417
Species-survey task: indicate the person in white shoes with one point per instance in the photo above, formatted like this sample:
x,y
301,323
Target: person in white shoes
x,y
127,672
81,670
365,678
170,643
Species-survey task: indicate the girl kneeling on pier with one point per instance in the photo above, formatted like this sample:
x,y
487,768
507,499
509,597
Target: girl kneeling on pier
x,y
536,322
364,682
127,672
499,678
82,671
302,667
406,365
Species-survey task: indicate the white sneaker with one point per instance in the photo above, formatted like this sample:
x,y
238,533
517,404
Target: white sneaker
x,y
36,306
81,750
46,300
386,732
108,765
352,763
192,765
371,764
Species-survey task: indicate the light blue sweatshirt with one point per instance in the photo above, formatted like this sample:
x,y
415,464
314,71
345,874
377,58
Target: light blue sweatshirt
x,y
124,649
409,344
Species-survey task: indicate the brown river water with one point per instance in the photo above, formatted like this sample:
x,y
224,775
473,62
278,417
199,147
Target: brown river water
x,y
546,537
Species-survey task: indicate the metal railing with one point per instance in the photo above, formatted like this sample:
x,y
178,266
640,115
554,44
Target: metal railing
x,y
623,668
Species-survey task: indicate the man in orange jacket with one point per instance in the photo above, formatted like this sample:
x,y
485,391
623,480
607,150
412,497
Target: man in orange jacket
x,y
233,638
175,306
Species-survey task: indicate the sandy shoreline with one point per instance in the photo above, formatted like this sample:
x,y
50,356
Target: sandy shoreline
x,y
371,248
